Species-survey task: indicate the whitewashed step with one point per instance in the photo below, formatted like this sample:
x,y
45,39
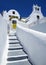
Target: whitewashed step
x,y
15,58
13,41
12,48
16,53
19,57
15,45
12,37
12,34
22,62
15,50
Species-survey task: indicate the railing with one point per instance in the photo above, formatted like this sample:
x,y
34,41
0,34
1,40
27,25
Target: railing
x,y
34,43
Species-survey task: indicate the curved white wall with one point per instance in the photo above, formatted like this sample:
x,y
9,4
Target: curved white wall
x,y
3,36
34,43
40,26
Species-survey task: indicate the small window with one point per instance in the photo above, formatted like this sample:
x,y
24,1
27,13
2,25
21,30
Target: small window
x,y
38,17
13,12
14,22
37,9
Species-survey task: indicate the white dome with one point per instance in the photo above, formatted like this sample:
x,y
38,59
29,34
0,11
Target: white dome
x,y
13,12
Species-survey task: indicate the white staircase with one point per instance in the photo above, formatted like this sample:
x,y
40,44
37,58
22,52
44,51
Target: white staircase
x,y
16,54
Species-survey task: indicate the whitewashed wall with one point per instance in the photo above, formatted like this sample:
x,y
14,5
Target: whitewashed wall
x,y
40,27
3,36
34,43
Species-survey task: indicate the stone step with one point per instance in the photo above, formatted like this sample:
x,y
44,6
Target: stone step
x,y
15,45
12,33
13,41
12,37
15,58
21,62
15,48
16,53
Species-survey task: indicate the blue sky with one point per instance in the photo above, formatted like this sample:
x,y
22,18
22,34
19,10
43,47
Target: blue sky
x,y
24,7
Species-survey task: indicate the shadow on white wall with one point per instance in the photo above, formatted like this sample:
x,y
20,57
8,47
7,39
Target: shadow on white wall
x,y
34,43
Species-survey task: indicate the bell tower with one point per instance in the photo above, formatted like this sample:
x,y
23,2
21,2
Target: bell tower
x,y
37,11
35,15
36,8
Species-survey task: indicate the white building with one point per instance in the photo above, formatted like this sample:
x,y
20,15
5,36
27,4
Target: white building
x,y
35,15
31,20
10,13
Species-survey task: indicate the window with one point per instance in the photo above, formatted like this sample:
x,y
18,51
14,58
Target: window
x,y
38,17
13,22
13,12
37,9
